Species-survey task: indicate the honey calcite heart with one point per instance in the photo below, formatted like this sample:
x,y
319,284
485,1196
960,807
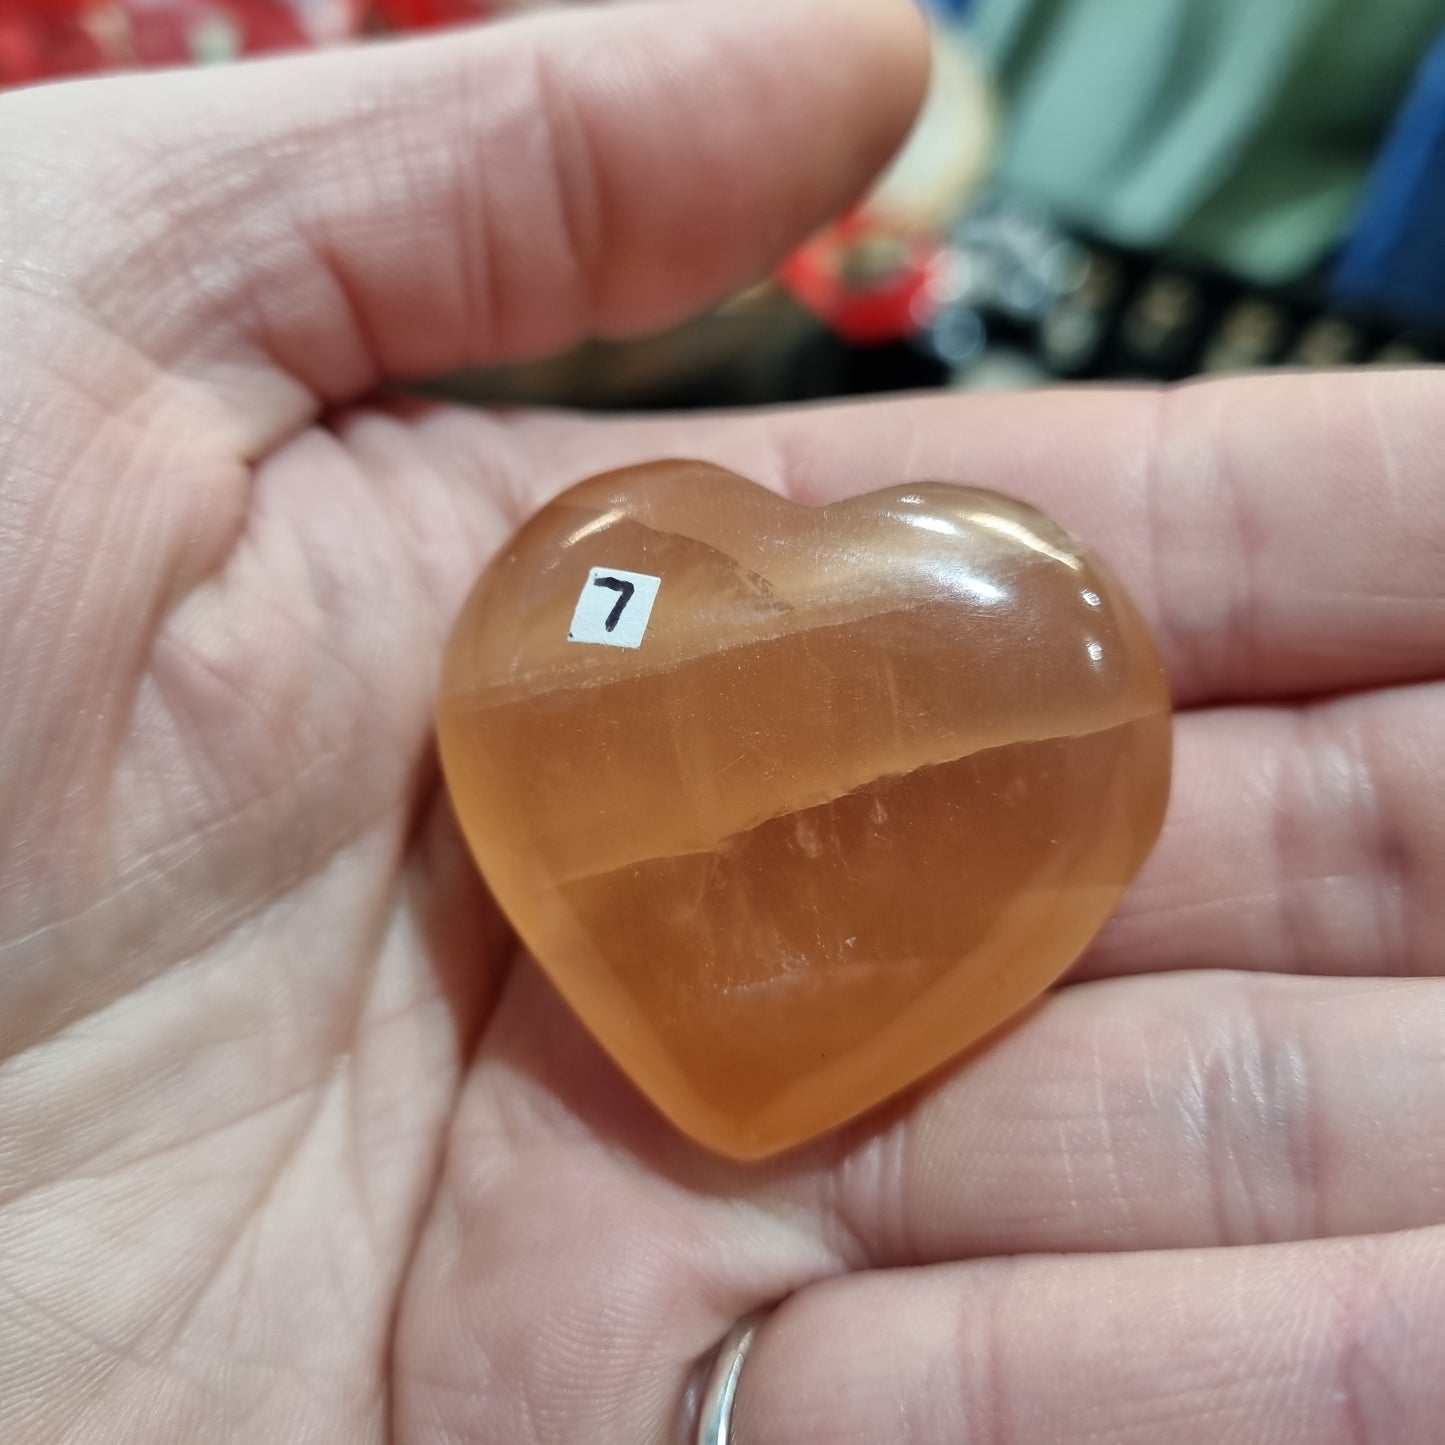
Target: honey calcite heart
x,y
794,803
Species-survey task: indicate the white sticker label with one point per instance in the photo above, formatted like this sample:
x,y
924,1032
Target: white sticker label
x,y
614,608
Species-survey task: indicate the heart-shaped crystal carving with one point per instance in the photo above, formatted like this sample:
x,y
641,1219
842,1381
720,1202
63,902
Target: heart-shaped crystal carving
x,y
792,803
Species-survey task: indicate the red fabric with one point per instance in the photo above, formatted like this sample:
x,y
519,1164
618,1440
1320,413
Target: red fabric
x,y
428,14
46,39
56,9
167,34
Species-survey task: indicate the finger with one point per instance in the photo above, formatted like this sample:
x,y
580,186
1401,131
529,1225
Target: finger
x,y
1328,1343
556,1163
190,264
401,210
1167,1112
1164,1112
1298,840
1284,536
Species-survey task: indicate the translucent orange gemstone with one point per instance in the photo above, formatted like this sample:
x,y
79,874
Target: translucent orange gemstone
x,y
792,803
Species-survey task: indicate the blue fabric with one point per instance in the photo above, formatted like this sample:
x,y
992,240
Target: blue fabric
x,y
1394,262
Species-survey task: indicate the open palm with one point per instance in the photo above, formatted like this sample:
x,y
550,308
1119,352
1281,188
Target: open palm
x,y
293,1150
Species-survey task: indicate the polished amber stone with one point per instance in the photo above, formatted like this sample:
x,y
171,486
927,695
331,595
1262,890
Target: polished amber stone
x,y
795,803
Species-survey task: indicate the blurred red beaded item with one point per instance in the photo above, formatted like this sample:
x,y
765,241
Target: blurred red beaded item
x,y
872,281
889,270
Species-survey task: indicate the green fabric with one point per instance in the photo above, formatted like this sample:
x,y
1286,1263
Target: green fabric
x,y
1240,131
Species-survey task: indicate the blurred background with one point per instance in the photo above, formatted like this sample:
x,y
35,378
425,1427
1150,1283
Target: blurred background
x,y
1107,189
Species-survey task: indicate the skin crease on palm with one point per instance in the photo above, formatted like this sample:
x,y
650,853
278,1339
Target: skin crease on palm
x,y
293,1148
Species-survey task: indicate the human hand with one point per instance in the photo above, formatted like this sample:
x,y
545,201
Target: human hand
x,y
291,1150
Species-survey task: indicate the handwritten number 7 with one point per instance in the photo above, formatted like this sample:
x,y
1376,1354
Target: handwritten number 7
x,y
625,591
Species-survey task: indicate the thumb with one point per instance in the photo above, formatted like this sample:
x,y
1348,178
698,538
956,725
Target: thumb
x,y
492,195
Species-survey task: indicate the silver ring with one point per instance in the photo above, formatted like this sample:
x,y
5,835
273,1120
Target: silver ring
x,y
715,1424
